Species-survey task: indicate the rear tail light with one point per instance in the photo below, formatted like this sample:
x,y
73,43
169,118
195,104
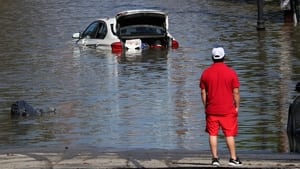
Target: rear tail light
x,y
175,44
116,47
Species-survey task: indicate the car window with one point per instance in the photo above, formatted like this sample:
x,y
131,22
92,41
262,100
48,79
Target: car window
x,y
102,31
96,30
141,30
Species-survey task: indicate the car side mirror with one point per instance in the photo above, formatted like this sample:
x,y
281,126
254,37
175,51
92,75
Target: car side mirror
x,y
76,35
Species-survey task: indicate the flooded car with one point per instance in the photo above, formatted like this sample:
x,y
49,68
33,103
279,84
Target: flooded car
x,y
132,30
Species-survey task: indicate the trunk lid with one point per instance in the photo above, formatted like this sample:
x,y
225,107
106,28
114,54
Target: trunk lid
x,y
138,24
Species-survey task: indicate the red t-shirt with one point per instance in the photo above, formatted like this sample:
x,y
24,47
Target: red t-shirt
x,y
219,81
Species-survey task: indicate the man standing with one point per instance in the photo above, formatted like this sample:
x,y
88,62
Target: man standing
x,y
220,96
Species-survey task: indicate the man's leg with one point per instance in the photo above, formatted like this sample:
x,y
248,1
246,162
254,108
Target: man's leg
x,y
231,146
213,142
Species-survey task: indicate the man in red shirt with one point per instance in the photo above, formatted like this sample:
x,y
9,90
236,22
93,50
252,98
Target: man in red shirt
x,y
220,96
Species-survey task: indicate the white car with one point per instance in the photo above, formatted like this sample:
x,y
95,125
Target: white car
x,y
129,31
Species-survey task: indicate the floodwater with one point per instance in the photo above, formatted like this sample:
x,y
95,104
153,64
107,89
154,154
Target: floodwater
x,y
148,101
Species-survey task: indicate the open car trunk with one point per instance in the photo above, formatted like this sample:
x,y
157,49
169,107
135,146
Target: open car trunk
x,y
150,26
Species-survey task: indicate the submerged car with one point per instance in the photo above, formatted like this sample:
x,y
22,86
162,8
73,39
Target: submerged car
x,y
132,30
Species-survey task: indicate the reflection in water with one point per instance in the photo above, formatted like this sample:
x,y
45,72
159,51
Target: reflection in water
x,y
285,87
149,55
143,100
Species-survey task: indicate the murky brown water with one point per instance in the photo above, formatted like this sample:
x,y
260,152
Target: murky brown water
x,y
148,101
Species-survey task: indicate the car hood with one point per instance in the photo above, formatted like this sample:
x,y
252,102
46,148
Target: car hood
x,y
141,17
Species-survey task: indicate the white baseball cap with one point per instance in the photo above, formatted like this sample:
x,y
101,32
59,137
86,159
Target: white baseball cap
x,y
218,53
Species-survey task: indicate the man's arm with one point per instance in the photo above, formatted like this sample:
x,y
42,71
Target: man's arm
x,y
236,97
203,96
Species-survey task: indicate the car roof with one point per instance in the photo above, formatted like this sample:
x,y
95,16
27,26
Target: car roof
x,y
108,20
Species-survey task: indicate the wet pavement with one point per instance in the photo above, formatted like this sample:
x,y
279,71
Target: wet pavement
x,y
91,158
148,100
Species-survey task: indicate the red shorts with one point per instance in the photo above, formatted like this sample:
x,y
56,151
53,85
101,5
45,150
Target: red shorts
x,y
229,125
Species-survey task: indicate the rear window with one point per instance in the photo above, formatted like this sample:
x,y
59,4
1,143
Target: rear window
x,y
140,30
